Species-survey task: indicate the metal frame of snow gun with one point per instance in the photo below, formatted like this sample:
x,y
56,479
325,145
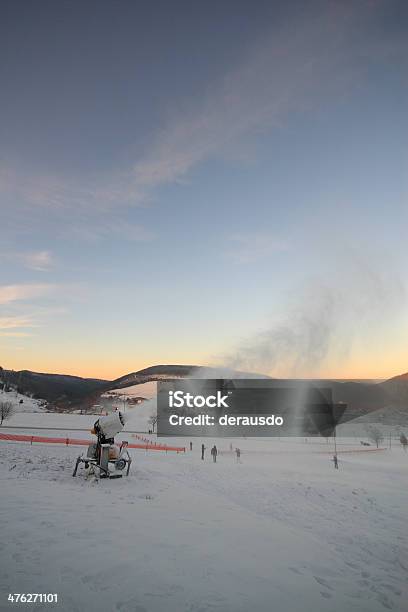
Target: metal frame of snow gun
x,y
97,461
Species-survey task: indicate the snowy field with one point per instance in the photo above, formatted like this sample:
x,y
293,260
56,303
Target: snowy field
x,y
22,403
281,531
147,390
137,419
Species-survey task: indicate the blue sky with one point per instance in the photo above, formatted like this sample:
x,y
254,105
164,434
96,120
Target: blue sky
x,y
204,183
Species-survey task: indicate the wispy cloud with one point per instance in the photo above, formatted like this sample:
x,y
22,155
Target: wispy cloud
x,y
14,322
301,66
26,189
26,306
14,293
40,261
306,63
16,334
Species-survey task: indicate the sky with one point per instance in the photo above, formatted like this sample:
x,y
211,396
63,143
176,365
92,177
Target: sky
x,y
215,183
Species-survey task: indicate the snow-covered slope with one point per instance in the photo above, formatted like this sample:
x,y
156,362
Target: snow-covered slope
x,y
280,531
146,390
22,403
137,418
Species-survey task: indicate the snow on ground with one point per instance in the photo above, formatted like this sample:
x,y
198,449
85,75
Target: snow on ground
x,y
281,531
136,416
21,403
147,390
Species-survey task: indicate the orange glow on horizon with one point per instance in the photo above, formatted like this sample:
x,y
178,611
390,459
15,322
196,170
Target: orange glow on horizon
x,y
110,370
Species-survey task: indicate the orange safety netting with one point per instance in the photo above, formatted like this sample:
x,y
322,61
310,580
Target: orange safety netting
x,y
77,442
353,450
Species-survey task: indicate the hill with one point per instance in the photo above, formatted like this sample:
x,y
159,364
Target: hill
x,y
64,392
58,389
157,372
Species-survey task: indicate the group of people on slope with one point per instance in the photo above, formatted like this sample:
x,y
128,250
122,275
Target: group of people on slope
x,y
214,452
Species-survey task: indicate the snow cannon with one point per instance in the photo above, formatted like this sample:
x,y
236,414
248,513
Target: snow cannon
x,y
108,426
104,459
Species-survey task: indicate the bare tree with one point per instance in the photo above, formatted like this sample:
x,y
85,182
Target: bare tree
x,y
6,410
375,435
153,421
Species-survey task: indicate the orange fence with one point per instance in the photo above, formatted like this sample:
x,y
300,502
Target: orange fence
x,y
355,450
76,442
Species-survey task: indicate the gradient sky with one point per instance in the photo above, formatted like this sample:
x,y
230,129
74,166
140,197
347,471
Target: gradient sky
x,y
204,182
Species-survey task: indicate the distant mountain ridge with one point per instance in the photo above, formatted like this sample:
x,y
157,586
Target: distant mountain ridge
x,y
65,392
155,372
50,387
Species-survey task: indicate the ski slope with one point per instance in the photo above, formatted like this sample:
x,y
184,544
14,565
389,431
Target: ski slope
x,y
280,531
147,390
22,403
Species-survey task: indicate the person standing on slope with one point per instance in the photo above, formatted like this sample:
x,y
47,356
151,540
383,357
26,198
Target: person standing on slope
x,y
214,453
202,451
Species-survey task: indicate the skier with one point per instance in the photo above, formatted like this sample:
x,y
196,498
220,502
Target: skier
x,y
191,446
336,462
238,453
214,453
202,451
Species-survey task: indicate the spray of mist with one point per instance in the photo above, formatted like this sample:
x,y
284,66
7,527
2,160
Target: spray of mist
x,y
321,322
